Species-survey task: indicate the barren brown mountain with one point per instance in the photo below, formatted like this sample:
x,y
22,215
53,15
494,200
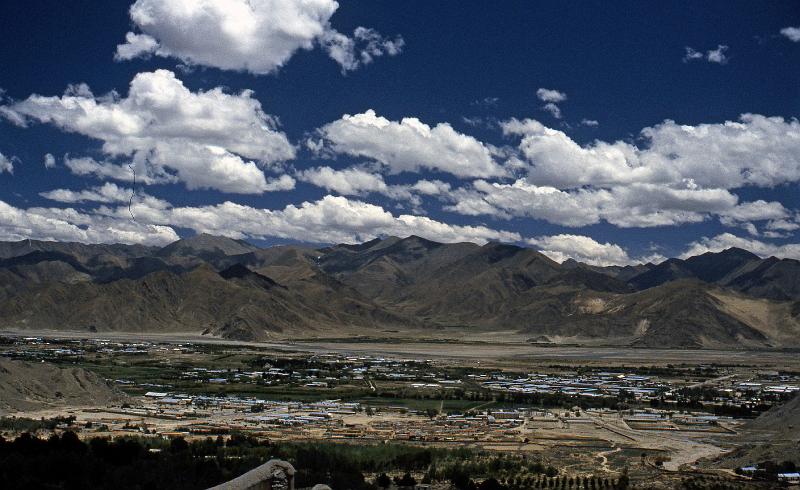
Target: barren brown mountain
x,y
399,286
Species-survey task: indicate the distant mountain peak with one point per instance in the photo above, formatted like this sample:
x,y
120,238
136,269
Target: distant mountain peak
x,y
375,243
739,252
708,267
416,238
209,239
418,241
208,244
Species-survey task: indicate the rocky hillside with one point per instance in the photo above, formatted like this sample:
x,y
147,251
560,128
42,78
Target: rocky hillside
x,y
32,386
773,436
406,286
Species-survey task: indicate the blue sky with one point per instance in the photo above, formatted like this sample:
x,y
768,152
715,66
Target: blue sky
x,y
611,133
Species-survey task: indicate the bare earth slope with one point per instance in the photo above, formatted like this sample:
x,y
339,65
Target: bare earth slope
x,y
235,303
32,386
773,436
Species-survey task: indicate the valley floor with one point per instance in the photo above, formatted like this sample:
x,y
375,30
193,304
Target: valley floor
x,y
662,415
514,352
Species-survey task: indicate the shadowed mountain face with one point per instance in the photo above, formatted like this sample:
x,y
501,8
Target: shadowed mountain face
x,y
709,267
410,287
735,269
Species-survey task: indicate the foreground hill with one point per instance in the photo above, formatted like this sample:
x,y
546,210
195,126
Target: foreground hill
x,y
399,286
773,436
34,386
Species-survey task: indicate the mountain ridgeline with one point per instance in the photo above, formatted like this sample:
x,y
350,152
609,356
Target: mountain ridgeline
x,y
404,288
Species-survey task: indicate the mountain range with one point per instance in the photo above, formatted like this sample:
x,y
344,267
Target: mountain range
x,y
399,287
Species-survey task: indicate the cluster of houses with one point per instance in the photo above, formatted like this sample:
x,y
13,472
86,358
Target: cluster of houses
x,y
337,419
765,387
327,371
790,478
602,384
181,414
41,348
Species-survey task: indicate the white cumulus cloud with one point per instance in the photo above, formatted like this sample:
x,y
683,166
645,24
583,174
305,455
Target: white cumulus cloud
x,y
636,205
361,49
581,248
755,150
206,139
727,240
551,98
6,164
70,225
717,55
550,95
104,170
107,193
136,45
49,160
348,182
331,219
553,109
356,181
791,33
258,36
410,145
